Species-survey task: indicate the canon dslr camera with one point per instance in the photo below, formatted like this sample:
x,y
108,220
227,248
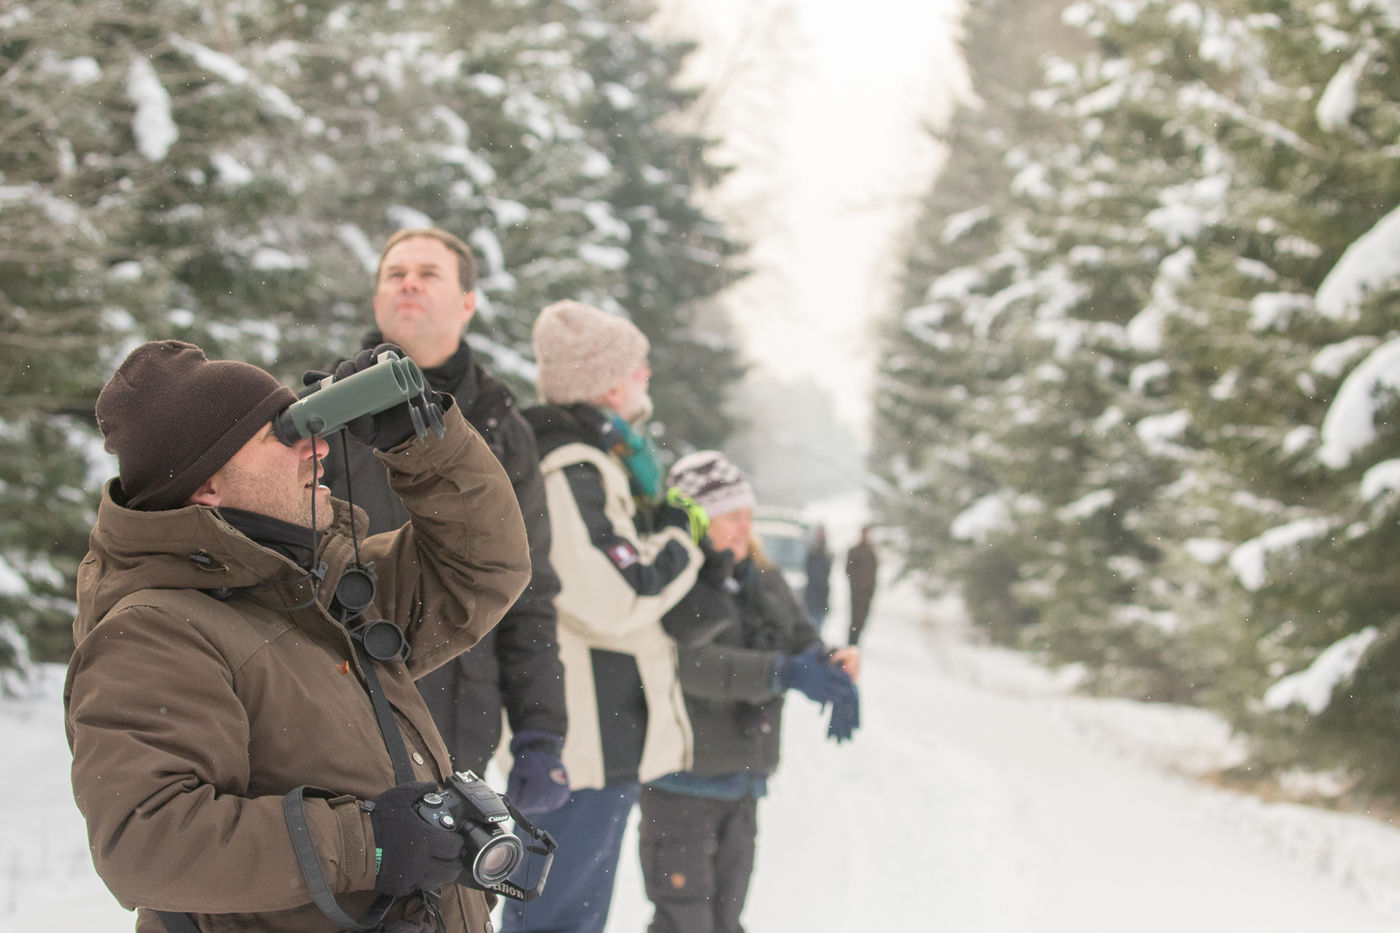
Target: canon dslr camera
x,y
491,853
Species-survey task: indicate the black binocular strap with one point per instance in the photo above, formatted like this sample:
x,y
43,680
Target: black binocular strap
x,y
388,725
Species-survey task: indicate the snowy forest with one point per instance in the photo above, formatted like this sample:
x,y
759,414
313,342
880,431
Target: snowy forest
x,y
1139,403
226,173
1137,397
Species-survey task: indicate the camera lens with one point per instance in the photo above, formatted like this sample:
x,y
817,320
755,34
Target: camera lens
x,y
497,859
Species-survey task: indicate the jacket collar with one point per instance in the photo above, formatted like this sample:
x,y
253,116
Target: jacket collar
x,y
458,376
195,548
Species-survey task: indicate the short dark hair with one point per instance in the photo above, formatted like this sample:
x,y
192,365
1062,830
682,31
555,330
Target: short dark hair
x,y
466,260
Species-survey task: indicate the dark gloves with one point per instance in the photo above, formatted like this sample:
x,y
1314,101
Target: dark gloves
x,y
538,782
845,716
685,513
413,854
818,678
718,565
388,428
812,673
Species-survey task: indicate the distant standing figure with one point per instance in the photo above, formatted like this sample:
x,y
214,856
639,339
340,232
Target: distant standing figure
x,y
817,593
861,565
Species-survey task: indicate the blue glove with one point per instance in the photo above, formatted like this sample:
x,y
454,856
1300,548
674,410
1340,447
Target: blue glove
x,y
813,675
845,717
538,782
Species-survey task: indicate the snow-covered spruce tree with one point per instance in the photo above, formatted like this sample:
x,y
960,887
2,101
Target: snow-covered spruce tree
x,y
1071,441
92,166
931,405
1226,223
1294,385
539,131
678,256
226,175
473,126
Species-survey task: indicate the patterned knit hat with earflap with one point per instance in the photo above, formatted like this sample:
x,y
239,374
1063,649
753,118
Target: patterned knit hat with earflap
x,y
711,480
174,418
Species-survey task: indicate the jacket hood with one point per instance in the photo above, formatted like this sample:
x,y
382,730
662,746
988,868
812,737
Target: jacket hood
x,y
186,548
557,425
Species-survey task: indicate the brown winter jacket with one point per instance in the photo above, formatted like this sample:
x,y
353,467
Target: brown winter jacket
x,y
207,683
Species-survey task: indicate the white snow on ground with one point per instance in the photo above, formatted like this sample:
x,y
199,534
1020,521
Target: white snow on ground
x,y
979,797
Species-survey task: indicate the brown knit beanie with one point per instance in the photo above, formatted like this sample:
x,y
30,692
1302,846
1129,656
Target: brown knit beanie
x,y
713,481
173,418
583,352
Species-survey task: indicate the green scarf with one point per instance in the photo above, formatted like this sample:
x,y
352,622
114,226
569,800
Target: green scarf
x,y
638,455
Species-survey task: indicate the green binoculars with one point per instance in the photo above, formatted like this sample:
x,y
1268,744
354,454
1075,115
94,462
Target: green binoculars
x,y
330,404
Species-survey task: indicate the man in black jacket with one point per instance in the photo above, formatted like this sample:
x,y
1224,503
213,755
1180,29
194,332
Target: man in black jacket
x,y
425,295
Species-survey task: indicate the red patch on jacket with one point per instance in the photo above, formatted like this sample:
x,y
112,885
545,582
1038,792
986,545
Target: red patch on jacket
x,y
623,555
343,667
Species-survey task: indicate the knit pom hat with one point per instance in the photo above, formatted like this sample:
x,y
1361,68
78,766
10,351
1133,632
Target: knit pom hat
x,y
583,352
173,418
711,480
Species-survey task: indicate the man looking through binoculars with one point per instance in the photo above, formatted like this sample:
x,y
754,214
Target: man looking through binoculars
x,y
241,747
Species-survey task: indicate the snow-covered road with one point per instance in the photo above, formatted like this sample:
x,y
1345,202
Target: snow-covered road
x,y
978,797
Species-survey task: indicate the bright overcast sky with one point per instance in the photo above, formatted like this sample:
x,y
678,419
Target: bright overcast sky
x,y
822,104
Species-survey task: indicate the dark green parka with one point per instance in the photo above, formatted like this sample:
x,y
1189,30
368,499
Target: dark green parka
x,y
750,620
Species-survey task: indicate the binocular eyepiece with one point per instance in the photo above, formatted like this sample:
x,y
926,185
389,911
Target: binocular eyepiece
x,y
330,404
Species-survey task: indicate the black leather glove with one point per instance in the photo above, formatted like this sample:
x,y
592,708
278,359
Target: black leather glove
x,y
413,854
718,565
390,427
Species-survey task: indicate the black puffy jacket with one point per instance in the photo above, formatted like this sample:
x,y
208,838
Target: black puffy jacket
x,y
516,666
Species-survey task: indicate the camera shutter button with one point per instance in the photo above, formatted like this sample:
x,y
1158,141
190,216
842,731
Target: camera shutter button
x,y
433,799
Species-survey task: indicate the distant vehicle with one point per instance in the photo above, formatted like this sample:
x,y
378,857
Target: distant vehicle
x,y
784,538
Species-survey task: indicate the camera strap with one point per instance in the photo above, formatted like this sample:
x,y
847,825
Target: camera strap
x,y
294,811
177,923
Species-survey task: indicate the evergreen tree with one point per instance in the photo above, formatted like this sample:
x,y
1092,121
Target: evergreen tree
x,y
226,175
1266,375
1137,345
931,406
679,257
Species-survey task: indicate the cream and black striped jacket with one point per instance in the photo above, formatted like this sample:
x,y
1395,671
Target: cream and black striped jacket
x,y
617,577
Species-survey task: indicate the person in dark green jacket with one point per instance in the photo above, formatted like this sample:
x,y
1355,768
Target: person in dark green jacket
x,y
698,827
